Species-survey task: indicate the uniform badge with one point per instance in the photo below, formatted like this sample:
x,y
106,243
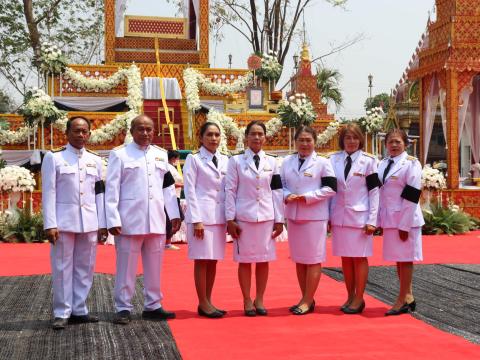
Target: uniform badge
x,y
358,174
266,168
159,159
307,174
92,165
394,177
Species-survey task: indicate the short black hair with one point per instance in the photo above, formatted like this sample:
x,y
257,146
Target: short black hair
x,y
206,125
307,129
400,132
70,121
173,154
255,122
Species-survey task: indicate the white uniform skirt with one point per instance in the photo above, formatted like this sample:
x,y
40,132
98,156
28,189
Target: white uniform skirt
x,y
394,249
255,243
306,240
351,242
211,247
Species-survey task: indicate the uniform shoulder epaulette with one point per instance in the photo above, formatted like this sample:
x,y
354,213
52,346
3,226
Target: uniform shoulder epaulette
x,y
92,152
58,149
272,155
411,158
159,148
369,155
119,147
326,156
225,153
195,152
239,153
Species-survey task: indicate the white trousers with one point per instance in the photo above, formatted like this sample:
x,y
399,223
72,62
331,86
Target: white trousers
x,y
72,259
128,248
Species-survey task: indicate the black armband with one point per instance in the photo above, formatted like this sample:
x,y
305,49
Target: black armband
x,y
411,194
99,187
168,180
276,182
330,181
373,181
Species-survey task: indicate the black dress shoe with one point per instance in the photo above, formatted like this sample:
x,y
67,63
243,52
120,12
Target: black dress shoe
x,y
351,311
292,308
122,317
59,323
250,313
402,310
158,314
215,314
299,311
82,319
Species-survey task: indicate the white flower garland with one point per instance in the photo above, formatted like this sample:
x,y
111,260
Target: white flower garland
x,y
15,178
328,133
373,122
194,81
42,104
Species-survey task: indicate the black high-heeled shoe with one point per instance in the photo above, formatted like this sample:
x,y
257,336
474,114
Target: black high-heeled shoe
x,y
348,310
292,308
260,311
403,310
412,306
250,312
222,311
215,314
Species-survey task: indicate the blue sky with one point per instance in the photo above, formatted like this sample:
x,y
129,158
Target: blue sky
x,y
392,29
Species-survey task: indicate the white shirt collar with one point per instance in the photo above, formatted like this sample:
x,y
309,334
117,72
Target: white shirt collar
x,y
74,150
398,158
353,156
140,147
250,153
207,154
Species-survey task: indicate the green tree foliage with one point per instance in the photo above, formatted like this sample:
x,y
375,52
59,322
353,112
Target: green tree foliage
x,y
381,100
328,82
76,27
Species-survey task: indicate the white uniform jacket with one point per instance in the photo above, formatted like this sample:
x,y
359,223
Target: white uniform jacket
x,y
315,180
73,190
251,194
204,187
139,188
356,201
400,193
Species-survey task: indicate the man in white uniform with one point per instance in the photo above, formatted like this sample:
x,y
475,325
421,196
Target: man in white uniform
x,y
139,188
73,212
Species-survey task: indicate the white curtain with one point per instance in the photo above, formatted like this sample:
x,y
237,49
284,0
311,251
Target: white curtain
x,y
120,9
472,122
462,109
429,115
89,103
443,113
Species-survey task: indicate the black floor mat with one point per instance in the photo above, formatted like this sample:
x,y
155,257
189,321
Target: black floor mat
x,y
25,331
447,296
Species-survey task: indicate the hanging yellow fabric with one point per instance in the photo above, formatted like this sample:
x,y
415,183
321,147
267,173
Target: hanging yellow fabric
x,y
164,104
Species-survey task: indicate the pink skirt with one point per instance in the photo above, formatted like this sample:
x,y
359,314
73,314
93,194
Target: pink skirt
x,y
351,242
255,243
211,247
394,249
306,240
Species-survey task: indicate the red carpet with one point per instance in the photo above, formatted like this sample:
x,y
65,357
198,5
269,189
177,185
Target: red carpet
x,y
325,334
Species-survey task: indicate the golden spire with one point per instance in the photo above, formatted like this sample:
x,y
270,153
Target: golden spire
x,y
305,52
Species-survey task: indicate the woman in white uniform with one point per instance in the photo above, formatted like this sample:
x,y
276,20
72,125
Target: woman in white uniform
x,y
308,183
254,213
204,181
353,213
400,215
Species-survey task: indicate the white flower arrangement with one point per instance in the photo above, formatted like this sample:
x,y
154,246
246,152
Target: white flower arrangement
x,y
271,68
14,136
40,108
328,133
15,178
297,110
432,179
373,121
195,80
52,59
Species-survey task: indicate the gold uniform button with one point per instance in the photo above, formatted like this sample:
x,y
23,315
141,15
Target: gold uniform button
x,y
81,193
258,177
149,174
258,187
80,168
151,197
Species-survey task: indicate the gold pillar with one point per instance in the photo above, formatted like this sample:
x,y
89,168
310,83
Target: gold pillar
x,y
452,129
204,38
421,119
109,31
